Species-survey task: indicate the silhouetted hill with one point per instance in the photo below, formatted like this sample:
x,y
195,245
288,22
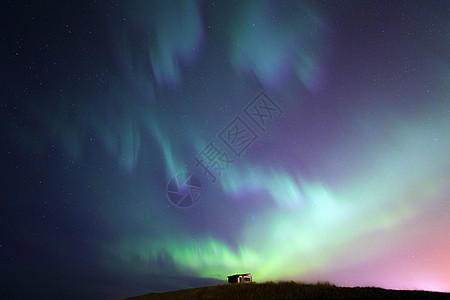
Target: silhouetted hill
x,y
290,290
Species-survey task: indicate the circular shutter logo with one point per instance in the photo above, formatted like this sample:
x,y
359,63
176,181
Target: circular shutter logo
x,y
184,190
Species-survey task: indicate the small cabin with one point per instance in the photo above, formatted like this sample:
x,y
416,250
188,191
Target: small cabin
x,y
240,278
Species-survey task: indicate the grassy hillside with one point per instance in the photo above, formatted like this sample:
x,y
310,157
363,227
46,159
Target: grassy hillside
x,y
288,290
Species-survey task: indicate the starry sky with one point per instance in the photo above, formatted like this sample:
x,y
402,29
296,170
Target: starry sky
x,y
347,178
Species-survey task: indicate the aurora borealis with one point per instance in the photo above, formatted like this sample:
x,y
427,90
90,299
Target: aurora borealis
x,y
102,104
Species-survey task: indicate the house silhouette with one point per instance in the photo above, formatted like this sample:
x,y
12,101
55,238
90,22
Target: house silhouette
x,y
240,278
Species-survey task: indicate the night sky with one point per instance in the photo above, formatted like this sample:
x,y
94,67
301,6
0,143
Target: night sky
x,y
316,136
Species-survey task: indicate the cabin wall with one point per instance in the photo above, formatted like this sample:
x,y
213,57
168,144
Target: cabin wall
x,y
240,279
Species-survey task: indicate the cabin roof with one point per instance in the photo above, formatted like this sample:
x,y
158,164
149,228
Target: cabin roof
x,y
241,274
